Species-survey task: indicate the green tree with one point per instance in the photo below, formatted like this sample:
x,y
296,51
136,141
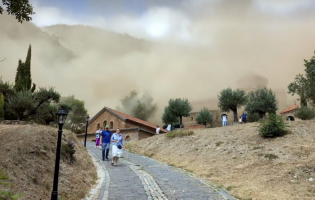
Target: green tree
x,y
139,107
21,9
204,117
21,104
7,90
305,113
299,87
179,108
26,104
310,77
1,106
272,126
23,79
261,101
232,100
168,117
77,115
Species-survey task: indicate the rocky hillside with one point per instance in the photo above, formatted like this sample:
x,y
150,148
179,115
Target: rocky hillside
x,y
27,158
239,160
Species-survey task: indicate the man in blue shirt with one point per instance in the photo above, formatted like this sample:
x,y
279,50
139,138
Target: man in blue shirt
x,y
105,141
244,118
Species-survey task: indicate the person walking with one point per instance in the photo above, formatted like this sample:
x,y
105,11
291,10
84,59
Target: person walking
x,y
118,144
244,117
224,119
169,127
97,138
105,141
157,130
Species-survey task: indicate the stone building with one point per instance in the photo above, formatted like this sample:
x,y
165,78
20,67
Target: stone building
x,y
288,113
132,128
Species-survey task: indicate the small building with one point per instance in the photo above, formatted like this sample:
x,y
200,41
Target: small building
x,y
190,122
132,128
288,113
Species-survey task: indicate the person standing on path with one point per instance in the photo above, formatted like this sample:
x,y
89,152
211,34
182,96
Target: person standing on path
x,y
224,119
97,138
105,141
244,117
157,130
118,144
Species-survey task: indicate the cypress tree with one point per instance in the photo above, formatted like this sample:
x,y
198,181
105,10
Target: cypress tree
x,y
27,66
23,79
19,82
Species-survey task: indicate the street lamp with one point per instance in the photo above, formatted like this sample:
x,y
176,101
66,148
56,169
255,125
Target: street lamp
x,y
61,117
87,123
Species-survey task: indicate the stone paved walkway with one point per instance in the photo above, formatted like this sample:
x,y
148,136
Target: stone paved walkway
x,y
139,177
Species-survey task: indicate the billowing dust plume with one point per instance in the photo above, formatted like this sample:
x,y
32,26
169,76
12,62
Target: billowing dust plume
x,y
236,46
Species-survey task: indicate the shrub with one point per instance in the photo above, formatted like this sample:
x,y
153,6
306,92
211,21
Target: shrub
x,y
68,150
253,117
179,133
272,126
305,113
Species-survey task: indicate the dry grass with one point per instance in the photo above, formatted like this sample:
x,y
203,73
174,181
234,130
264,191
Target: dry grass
x,y
27,156
238,159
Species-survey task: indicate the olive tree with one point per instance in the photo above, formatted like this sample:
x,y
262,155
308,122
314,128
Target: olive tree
x,y
261,101
231,100
177,108
204,117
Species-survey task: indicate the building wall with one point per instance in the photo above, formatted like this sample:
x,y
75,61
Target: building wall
x,y
106,116
130,124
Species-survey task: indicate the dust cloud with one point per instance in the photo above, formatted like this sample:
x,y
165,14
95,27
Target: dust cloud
x,y
235,46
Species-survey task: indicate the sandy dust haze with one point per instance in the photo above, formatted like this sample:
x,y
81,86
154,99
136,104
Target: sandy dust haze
x,y
238,44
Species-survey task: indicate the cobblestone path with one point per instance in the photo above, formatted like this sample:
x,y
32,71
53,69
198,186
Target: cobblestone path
x,y
139,177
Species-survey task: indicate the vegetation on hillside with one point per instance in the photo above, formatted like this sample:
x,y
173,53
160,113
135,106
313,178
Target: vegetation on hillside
x,y
22,101
204,117
305,113
272,126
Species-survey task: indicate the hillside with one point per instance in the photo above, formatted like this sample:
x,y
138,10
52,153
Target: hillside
x,y
27,157
238,159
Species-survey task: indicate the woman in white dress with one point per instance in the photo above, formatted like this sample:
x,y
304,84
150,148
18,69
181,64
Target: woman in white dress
x,y
118,145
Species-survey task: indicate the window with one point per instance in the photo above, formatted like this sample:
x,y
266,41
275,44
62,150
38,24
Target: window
x,y
127,138
104,124
98,126
192,118
111,125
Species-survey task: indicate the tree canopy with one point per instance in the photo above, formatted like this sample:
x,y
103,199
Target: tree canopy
x,y
177,108
232,100
299,87
21,9
310,78
141,107
168,117
204,117
23,79
261,101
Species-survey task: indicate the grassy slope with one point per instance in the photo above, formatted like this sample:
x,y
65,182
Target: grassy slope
x,y
238,159
27,156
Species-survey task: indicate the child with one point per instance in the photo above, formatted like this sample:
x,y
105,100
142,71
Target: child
x,y
240,120
97,140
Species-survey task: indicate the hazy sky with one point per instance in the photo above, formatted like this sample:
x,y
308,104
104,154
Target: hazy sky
x,y
172,49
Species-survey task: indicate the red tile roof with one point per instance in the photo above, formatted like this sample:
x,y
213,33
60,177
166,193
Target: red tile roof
x,y
291,108
127,117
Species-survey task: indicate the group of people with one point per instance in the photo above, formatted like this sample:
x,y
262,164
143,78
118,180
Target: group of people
x,y
105,139
242,119
168,129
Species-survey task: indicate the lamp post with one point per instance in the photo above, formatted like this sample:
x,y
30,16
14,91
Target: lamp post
x,y
87,123
61,116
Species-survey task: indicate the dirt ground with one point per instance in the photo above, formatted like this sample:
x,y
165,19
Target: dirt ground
x,y
239,160
27,156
